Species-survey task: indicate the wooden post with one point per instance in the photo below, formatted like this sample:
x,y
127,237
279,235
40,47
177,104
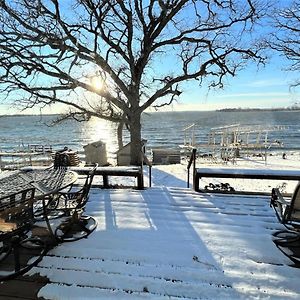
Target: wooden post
x,y
150,176
192,160
196,182
105,181
194,167
149,164
140,180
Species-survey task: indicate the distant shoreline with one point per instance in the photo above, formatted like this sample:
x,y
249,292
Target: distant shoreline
x,y
259,109
293,109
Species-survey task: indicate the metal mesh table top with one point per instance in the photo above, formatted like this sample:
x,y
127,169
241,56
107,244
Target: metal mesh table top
x,y
45,181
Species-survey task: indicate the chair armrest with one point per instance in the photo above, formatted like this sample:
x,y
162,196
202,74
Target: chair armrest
x,y
277,197
69,195
280,205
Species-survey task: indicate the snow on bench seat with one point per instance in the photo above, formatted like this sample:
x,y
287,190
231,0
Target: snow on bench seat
x,y
271,174
126,171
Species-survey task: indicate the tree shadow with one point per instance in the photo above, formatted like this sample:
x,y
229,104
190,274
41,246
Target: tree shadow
x,y
162,178
150,227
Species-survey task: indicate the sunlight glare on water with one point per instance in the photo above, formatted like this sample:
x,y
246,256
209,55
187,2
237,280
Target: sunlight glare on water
x,y
97,129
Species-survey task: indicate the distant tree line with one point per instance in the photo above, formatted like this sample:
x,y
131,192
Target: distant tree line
x,y
290,108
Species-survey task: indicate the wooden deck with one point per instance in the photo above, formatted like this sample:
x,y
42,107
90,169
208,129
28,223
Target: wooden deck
x,y
23,287
167,242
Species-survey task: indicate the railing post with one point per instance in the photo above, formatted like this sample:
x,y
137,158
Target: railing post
x,y
148,163
192,160
140,180
150,175
194,165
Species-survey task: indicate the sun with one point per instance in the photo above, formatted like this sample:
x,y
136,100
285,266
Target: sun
x,y
97,83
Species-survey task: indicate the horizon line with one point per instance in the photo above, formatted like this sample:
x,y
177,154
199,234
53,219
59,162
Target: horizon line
x,y
230,109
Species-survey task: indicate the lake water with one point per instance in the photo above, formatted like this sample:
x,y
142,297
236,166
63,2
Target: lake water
x,y
161,129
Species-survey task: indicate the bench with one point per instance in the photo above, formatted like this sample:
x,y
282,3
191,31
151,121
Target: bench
x,y
166,156
105,172
271,174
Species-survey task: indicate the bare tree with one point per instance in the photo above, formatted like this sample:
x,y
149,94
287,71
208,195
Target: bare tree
x,y
286,39
142,51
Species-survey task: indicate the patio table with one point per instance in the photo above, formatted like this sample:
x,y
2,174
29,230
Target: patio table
x,y
46,182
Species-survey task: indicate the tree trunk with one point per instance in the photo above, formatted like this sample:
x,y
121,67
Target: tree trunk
x,y
136,140
120,134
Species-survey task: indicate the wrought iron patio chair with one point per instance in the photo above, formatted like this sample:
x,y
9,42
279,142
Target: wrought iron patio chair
x,y
288,214
16,220
76,225
287,210
50,202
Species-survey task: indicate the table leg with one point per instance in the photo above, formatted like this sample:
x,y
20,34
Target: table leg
x,y
53,241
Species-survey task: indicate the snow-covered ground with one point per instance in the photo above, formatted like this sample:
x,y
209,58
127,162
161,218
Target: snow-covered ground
x,y
176,175
169,242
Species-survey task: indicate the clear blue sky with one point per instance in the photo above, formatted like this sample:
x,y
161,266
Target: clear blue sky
x,y
264,87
